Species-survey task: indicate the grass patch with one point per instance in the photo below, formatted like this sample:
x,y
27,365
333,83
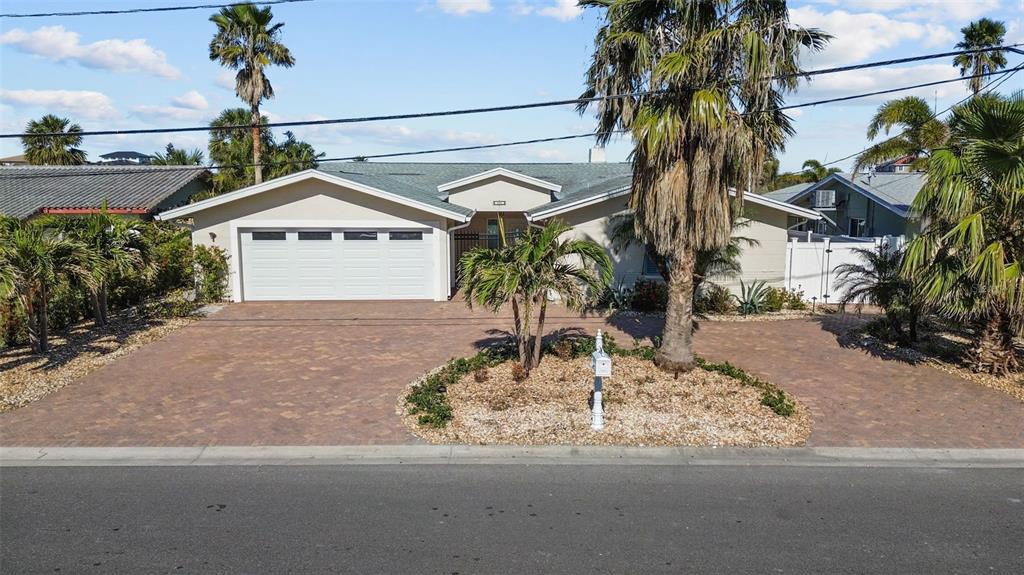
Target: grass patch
x,y
429,398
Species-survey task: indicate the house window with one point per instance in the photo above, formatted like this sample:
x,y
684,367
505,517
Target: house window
x,y
650,266
393,236
360,235
314,236
493,239
856,227
268,236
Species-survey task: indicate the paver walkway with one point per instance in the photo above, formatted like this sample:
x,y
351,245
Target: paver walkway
x,y
328,373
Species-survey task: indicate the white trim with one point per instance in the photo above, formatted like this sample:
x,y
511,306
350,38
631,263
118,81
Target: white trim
x,y
580,203
778,205
866,192
308,175
500,172
236,226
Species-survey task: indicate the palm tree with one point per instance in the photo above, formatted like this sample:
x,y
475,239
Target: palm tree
x,y
292,156
59,150
692,68
970,256
879,281
815,171
117,247
245,41
978,35
234,148
524,273
178,157
34,258
920,133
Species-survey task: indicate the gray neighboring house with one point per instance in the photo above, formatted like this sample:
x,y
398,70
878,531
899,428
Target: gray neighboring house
x,y
865,205
27,191
369,230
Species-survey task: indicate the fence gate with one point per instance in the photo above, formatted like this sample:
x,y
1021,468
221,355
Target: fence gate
x,y
811,264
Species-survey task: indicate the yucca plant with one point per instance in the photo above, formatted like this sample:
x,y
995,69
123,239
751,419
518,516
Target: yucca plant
x,y
752,297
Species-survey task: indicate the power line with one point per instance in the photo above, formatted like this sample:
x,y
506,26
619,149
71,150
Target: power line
x,y
489,109
139,10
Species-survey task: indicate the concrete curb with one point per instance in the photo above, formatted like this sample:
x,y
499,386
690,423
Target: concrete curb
x,y
503,455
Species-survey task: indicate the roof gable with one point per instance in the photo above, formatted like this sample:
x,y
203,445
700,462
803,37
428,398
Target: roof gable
x,y
499,172
893,191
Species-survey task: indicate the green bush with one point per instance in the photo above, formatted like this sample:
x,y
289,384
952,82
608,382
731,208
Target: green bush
x,y
771,397
778,299
649,295
713,299
429,398
211,265
13,323
68,304
752,298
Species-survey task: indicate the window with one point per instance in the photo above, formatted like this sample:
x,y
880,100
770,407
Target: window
x,y
650,267
856,227
268,236
360,235
315,236
405,236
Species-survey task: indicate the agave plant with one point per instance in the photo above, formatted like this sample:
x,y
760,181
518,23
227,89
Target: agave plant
x,y
752,297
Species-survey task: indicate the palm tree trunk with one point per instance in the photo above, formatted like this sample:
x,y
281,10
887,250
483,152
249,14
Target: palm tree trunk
x,y
527,311
257,145
676,351
44,320
538,340
994,351
103,303
97,314
517,322
32,320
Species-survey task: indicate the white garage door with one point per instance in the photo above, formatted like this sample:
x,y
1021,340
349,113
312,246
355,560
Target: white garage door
x,y
337,264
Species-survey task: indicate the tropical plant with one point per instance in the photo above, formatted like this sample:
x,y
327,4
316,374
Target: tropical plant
x,y
292,156
117,248
752,298
33,259
178,157
979,35
920,133
59,150
814,171
246,41
970,255
524,274
879,281
681,77
233,149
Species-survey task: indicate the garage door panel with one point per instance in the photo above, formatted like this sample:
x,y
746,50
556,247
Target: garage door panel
x,y
342,264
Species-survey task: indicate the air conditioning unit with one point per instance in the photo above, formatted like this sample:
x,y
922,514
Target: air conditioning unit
x,y
824,198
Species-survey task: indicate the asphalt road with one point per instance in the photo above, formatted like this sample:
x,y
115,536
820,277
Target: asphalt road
x,y
510,519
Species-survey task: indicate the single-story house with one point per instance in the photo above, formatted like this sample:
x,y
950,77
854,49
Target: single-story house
x,y
861,205
26,191
367,230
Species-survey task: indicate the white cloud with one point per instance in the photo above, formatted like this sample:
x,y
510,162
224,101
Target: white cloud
x,y
150,111
192,100
463,7
936,10
60,45
226,80
521,8
859,36
81,103
876,79
562,10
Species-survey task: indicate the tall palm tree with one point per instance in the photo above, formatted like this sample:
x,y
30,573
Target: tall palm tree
x,y
814,171
524,273
178,157
920,133
33,259
245,41
59,150
970,256
980,34
234,147
292,156
696,68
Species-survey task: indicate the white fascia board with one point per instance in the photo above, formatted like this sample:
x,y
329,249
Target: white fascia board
x,y
302,176
779,205
580,203
500,172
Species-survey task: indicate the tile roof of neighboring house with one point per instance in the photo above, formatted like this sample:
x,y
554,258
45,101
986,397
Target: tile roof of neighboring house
x,y
26,190
18,159
126,154
787,193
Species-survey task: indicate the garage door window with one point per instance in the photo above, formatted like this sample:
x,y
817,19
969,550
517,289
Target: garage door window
x,y
314,236
268,236
405,236
360,235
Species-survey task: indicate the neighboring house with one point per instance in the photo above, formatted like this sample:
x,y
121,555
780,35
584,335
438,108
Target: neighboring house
x,y
865,205
903,165
125,158
18,160
368,230
26,191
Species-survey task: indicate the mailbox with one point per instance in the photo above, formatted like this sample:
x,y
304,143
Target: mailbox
x,y
601,363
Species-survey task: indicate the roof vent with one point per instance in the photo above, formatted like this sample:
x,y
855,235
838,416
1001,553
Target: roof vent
x,y
597,155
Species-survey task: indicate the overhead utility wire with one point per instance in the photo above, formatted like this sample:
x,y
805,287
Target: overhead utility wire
x,y
139,10
457,112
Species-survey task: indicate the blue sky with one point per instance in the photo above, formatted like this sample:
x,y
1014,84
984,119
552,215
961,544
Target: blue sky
x,y
359,58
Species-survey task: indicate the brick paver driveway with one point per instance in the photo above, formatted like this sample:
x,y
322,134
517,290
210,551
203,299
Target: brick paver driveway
x,y
329,374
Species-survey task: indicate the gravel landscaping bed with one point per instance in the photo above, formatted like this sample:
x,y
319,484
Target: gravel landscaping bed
x,y
26,377
643,407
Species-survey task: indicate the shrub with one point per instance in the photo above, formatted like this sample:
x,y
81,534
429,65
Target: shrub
x,y
429,398
211,267
649,295
713,299
771,397
481,375
67,306
752,297
13,323
778,299
519,373
614,298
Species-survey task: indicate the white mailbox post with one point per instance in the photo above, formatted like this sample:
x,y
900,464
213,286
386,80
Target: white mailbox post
x,y
601,363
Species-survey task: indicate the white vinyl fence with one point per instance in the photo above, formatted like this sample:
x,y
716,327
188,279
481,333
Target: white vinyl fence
x,y
811,262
